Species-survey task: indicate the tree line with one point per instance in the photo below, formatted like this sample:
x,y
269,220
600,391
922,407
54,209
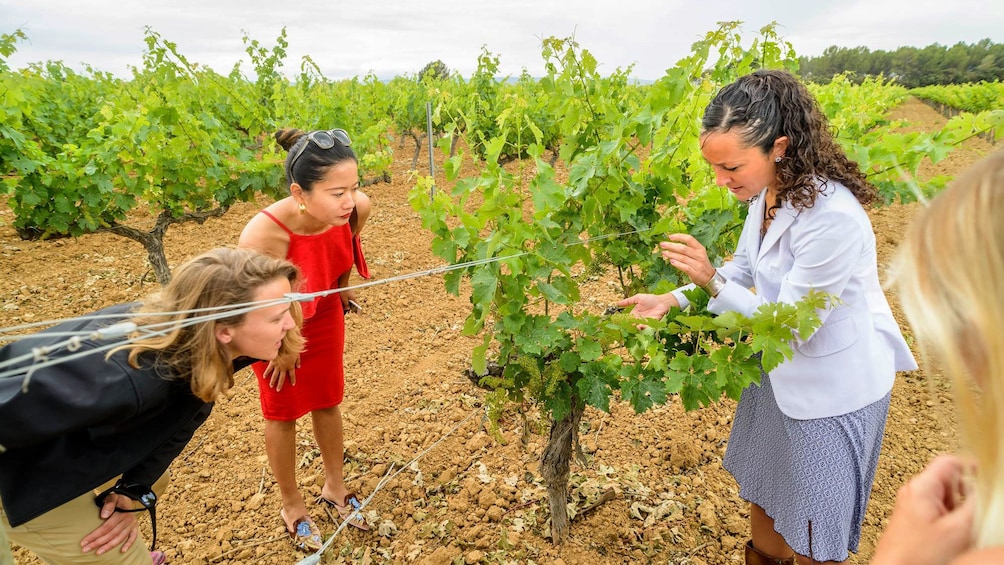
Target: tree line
x,y
911,66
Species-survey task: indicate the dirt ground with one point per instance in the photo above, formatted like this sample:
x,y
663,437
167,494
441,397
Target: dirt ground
x,y
467,499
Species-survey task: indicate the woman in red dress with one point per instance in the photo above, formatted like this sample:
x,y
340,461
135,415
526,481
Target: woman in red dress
x,y
317,228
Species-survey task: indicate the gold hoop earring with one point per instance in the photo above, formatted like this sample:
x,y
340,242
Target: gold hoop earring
x,y
303,208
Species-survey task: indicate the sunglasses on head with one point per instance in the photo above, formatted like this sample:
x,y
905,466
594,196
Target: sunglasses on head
x,y
323,139
139,493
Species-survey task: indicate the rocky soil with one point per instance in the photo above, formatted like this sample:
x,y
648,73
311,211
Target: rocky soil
x,y
467,498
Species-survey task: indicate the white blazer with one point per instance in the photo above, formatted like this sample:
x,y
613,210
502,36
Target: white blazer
x,y
852,359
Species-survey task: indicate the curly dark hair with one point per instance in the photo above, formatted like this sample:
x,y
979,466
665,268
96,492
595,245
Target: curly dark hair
x,y
767,104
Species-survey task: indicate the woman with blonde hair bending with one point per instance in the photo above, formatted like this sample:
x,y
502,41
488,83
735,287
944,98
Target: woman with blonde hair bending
x,y
950,275
88,418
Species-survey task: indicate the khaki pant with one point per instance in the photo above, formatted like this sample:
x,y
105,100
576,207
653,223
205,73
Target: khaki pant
x,y
5,556
55,536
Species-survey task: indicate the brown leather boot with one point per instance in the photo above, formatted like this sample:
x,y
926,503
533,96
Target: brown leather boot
x,y
756,557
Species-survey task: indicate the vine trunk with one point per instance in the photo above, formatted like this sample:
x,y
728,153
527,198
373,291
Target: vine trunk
x,y
554,467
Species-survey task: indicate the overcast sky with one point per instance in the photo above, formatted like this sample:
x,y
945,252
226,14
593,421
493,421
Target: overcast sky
x,y
353,37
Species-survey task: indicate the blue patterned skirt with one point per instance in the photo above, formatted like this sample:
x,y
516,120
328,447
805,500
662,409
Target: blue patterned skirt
x,y
804,472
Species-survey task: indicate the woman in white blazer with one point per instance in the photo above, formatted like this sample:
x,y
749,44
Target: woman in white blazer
x,y
805,442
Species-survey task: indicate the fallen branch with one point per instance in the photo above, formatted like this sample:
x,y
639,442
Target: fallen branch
x,y
607,496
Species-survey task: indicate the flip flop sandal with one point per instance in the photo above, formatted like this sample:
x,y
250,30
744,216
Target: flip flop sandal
x,y
305,534
349,505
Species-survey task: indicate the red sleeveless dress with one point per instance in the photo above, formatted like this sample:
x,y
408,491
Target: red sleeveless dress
x,y
320,379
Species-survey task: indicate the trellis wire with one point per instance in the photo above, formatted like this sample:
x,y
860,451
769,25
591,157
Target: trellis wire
x,y
316,556
118,330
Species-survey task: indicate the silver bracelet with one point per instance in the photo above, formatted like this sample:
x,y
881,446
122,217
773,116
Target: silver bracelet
x,y
715,285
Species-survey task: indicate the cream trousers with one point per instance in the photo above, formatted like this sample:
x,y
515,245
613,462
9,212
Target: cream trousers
x,y
55,536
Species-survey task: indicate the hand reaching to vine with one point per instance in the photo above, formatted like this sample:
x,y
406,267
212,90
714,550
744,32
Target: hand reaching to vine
x,y
650,305
684,252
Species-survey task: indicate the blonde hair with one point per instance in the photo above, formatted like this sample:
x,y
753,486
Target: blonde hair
x,y
221,277
949,275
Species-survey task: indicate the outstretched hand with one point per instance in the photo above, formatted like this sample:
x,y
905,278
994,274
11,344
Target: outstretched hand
x,y
684,252
118,528
933,506
650,305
